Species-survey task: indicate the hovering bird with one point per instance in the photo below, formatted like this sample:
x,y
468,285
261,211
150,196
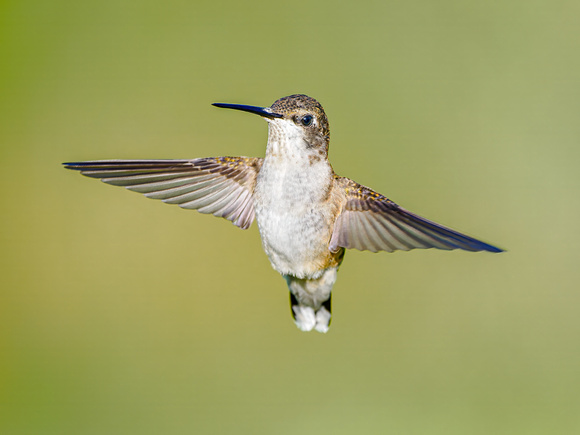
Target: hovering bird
x,y
306,214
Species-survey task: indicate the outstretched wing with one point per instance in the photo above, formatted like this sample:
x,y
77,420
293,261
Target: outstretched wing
x,y
369,221
221,186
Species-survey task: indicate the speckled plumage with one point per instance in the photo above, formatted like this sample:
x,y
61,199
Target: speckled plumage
x,y
306,214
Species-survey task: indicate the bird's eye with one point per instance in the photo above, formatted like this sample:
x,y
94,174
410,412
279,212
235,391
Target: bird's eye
x,y
306,120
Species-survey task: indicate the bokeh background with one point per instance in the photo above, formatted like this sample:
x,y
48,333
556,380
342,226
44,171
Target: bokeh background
x,y
122,315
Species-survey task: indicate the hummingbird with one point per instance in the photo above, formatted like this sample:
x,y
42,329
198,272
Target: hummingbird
x,y
307,215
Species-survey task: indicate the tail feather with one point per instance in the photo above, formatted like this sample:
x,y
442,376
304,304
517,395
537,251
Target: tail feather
x,y
310,300
307,318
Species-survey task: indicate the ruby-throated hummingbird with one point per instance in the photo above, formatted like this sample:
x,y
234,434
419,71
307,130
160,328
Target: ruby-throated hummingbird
x,y
306,214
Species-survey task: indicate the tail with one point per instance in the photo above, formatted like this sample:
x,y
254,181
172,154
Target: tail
x,y
307,318
310,300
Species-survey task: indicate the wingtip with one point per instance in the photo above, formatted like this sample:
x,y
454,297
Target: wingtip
x,y
480,246
494,249
77,166
71,165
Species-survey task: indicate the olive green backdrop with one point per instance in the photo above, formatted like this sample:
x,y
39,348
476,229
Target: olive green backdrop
x,y
123,315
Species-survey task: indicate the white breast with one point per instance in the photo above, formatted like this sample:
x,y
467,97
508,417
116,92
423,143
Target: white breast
x,y
293,216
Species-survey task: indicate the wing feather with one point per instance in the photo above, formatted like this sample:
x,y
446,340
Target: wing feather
x,y
166,186
221,186
203,190
369,221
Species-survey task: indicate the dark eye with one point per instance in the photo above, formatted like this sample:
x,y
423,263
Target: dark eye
x,y
306,120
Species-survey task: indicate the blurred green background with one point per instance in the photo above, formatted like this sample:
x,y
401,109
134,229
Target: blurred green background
x,y
122,315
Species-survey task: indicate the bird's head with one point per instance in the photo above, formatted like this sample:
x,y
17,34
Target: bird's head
x,y
297,120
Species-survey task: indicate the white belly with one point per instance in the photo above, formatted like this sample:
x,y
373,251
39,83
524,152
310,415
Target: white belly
x,y
293,219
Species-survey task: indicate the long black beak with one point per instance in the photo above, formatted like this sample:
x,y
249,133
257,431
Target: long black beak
x,y
264,112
